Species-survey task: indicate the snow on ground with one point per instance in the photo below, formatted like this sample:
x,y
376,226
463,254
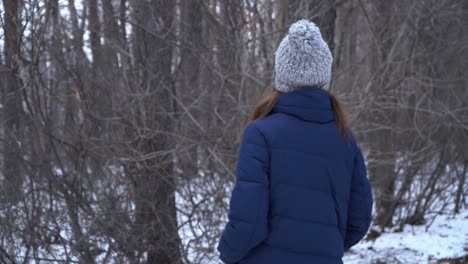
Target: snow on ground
x,y
446,238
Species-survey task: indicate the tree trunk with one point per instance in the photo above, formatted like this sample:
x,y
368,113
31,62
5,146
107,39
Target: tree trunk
x,y
154,178
187,84
12,108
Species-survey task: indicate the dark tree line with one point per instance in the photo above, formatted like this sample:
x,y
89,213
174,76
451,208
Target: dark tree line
x,y
121,120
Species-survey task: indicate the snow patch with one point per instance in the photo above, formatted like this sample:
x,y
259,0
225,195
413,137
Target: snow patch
x,y
447,237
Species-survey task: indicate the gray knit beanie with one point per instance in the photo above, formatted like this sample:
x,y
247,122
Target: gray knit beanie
x,y
302,58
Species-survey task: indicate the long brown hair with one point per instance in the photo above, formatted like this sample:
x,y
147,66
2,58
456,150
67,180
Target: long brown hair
x,y
267,101
264,105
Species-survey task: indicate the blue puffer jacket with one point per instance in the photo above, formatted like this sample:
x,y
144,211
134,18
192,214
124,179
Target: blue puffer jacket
x,y
302,194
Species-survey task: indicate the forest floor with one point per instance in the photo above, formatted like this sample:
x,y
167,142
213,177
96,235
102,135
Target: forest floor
x,y
445,240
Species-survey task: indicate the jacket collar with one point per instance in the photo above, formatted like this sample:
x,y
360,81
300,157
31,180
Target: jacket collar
x,y
309,103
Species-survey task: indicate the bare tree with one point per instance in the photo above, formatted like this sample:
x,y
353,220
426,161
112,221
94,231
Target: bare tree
x,y
12,112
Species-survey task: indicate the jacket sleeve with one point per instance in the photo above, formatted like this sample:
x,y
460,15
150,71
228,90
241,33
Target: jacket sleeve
x,y
360,202
248,206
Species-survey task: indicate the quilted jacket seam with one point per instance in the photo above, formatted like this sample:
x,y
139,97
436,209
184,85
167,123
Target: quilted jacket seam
x,y
310,189
300,151
248,181
303,252
303,220
265,137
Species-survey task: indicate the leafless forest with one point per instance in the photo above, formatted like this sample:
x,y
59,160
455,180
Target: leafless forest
x,y
121,120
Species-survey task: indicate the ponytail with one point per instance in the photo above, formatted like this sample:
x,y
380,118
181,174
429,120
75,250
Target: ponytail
x,y
264,106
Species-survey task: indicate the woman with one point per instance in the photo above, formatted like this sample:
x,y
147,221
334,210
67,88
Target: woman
x,y
302,194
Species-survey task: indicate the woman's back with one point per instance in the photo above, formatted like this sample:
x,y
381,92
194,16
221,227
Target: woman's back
x,y
310,168
302,193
